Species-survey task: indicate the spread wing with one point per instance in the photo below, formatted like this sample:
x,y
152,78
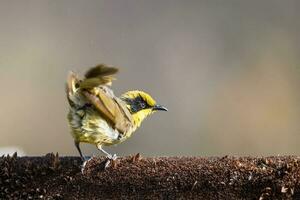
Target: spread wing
x,y
110,107
98,75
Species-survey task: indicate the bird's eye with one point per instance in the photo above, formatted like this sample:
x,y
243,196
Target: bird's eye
x,y
142,105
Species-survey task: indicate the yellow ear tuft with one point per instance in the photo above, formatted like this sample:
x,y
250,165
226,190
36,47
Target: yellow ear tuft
x,y
136,93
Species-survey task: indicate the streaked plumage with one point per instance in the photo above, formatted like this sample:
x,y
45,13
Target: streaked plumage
x,y
97,116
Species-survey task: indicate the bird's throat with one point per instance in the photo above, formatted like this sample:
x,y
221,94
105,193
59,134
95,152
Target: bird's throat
x,y
140,116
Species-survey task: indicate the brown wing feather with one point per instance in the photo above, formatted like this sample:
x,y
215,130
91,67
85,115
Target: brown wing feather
x,y
124,119
94,82
110,109
94,88
100,106
100,71
124,109
98,75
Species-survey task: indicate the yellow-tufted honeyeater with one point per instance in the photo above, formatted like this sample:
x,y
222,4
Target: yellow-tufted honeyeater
x,y
97,116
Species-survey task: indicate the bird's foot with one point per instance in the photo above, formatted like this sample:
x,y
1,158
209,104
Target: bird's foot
x,y
86,160
110,159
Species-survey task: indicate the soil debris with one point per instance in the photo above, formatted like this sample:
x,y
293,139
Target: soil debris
x,y
134,177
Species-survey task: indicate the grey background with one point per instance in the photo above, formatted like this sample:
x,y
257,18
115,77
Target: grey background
x,y
227,70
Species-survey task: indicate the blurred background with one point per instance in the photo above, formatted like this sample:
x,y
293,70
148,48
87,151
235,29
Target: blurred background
x,y
229,72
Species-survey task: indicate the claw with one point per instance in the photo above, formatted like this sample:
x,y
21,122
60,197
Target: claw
x,y
83,166
86,160
110,159
107,163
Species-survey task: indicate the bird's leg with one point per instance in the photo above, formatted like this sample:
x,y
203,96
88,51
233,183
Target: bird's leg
x,y
109,156
84,160
79,150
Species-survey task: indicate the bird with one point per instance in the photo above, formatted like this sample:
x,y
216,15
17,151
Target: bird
x,y
97,116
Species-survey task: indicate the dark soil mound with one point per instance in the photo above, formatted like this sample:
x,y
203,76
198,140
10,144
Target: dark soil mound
x,y
51,177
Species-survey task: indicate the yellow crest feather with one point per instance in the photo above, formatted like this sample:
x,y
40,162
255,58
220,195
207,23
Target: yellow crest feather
x,y
135,93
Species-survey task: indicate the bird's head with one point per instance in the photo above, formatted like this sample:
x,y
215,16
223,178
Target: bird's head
x,y
140,105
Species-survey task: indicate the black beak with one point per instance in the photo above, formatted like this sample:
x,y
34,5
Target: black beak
x,y
159,107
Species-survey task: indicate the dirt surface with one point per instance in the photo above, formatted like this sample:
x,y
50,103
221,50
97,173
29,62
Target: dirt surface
x,y
53,177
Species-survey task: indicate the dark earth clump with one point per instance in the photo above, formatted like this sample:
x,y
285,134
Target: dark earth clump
x,y
53,177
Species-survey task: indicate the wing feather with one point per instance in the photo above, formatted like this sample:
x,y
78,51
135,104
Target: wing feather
x,y
98,75
95,89
100,106
100,71
111,109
